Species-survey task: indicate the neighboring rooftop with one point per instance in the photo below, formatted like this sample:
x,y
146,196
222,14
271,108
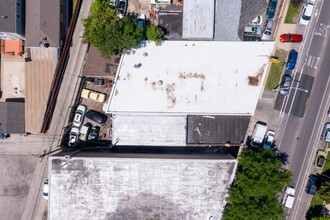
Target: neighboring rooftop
x,y
193,77
43,23
40,68
227,16
12,117
8,13
216,129
12,48
198,19
139,187
219,20
156,130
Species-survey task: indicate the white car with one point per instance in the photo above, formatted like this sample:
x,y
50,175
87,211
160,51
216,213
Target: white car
x,y
79,115
288,197
257,21
269,139
45,190
74,135
268,30
306,14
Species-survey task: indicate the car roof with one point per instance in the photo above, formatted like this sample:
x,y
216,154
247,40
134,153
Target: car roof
x,y
309,9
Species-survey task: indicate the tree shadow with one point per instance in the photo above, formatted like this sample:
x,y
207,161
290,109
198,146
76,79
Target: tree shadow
x,y
282,156
314,211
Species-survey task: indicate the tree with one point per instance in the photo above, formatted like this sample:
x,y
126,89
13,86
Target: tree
x,y
324,191
109,33
259,181
154,33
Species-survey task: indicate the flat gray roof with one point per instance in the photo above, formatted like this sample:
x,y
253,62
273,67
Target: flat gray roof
x,y
8,13
12,117
198,19
43,21
138,188
227,17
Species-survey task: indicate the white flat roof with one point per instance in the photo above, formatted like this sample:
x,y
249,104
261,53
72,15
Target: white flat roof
x,y
153,130
198,19
186,77
83,188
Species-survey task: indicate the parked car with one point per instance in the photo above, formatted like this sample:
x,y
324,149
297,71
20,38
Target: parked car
x,y
84,131
320,159
79,115
271,9
292,59
268,30
141,20
257,21
326,132
96,96
73,137
258,134
252,31
288,197
284,38
94,134
306,14
122,7
285,84
96,116
269,139
311,184
45,190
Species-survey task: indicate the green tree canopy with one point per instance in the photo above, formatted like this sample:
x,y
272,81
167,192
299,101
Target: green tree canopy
x,y
324,191
258,183
109,33
154,33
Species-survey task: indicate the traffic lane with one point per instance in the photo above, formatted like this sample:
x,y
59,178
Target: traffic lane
x,y
316,50
311,130
301,91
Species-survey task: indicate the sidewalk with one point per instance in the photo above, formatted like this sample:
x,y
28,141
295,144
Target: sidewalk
x,y
265,108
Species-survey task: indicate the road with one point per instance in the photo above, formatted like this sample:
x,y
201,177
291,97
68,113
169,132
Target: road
x,y
302,114
36,206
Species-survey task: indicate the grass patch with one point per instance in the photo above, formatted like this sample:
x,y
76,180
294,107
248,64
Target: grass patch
x,y
276,70
292,14
327,163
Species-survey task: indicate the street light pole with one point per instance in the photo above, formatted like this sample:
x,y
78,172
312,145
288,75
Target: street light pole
x,y
299,89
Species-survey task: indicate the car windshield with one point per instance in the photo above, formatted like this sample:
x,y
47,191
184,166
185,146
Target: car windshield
x,y
307,18
288,37
320,161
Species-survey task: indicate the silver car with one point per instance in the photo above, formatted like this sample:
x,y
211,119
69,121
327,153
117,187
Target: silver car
x,y
326,132
267,34
79,115
285,84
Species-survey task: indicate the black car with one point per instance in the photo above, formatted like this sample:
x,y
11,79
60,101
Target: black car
x,y
96,116
94,133
311,184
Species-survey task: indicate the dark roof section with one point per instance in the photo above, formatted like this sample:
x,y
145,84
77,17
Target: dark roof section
x,y
42,23
12,117
171,20
96,65
8,16
215,129
250,10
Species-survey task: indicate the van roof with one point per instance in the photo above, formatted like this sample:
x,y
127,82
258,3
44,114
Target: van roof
x,y
289,201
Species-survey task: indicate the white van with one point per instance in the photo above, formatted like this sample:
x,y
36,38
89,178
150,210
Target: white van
x,y
252,31
258,134
84,131
288,197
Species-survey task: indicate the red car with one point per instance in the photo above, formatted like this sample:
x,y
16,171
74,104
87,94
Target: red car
x,y
291,38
